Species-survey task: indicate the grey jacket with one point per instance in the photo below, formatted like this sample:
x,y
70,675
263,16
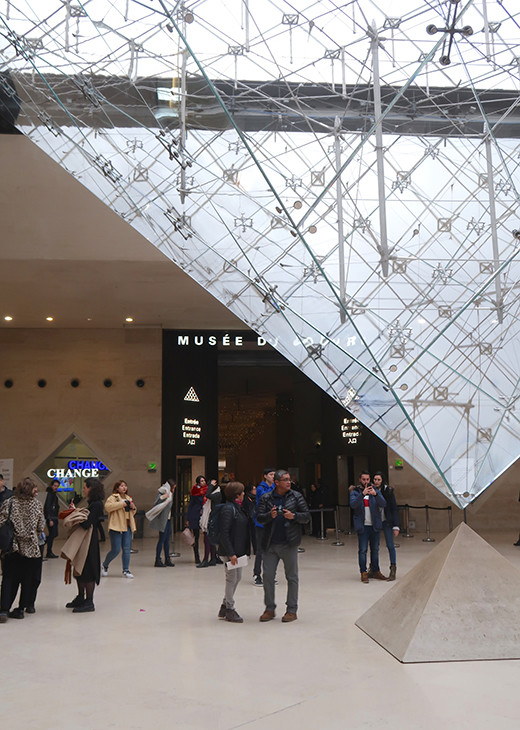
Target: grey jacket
x,y
160,522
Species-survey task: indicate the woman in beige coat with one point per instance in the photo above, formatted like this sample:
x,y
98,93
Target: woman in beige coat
x,y
121,526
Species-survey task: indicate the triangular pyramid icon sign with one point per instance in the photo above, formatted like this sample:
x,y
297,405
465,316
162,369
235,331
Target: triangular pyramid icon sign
x,y
460,603
192,396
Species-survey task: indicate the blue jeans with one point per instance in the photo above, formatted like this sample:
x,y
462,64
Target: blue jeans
x,y
52,532
389,537
164,542
369,535
119,540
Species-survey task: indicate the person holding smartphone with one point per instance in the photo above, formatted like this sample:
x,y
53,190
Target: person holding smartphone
x,y
121,526
283,511
367,504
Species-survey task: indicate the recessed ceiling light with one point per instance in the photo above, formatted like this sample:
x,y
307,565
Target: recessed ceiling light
x,y
129,319
49,319
8,318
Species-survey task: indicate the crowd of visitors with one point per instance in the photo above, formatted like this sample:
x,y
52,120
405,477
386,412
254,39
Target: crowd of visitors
x,y
266,520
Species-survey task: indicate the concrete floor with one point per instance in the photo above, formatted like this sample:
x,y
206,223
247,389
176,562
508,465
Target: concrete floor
x,y
154,654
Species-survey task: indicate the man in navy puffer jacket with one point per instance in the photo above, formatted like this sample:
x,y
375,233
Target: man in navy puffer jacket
x,y
367,504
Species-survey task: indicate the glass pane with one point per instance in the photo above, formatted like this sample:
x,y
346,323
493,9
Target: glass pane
x,y
344,181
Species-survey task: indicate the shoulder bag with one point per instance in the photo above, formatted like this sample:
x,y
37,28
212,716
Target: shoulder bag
x,y
7,533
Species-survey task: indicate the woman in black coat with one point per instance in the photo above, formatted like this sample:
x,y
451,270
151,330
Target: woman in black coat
x,y
234,529
51,510
390,521
84,602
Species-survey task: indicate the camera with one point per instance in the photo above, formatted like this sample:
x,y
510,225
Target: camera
x,y
280,511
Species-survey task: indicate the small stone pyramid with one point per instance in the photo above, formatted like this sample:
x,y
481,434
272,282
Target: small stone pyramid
x,y
460,603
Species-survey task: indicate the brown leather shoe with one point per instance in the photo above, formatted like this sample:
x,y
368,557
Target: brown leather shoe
x,y
364,577
267,616
288,617
379,576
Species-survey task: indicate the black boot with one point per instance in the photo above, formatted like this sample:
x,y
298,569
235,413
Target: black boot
x,y
196,553
204,564
78,601
85,607
16,613
168,562
158,563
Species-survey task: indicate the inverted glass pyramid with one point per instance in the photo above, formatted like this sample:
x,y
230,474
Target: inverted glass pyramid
x,y
344,181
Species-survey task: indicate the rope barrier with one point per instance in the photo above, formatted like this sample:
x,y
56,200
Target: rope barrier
x,y
427,507
338,542
322,535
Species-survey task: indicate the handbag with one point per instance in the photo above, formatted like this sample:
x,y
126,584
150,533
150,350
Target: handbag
x,y
76,516
204,518
187,536
7,533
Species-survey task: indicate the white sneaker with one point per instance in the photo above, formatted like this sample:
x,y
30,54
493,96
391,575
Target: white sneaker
x,y
127,574
104,571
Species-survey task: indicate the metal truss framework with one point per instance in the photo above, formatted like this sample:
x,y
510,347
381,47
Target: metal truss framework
x,y
344,181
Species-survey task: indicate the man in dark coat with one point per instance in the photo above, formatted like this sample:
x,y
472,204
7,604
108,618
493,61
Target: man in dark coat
x,y
4,492
281,511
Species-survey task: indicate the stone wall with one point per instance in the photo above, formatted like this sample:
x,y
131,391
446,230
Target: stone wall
x,y
121,424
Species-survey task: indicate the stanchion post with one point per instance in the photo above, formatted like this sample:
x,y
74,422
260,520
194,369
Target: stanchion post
x,y
338,542
428,538
173,554
407,520
450,519
322,536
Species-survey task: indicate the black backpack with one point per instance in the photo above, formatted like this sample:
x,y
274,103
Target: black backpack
x,y
214,522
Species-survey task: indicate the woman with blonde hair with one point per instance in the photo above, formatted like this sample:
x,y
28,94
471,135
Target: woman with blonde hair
x,y
121,526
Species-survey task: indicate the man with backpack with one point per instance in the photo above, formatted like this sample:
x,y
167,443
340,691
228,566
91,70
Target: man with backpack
x,y
282,511
231,521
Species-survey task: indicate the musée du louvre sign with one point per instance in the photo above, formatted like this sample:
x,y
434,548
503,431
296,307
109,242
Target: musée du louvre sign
x,y
249,339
